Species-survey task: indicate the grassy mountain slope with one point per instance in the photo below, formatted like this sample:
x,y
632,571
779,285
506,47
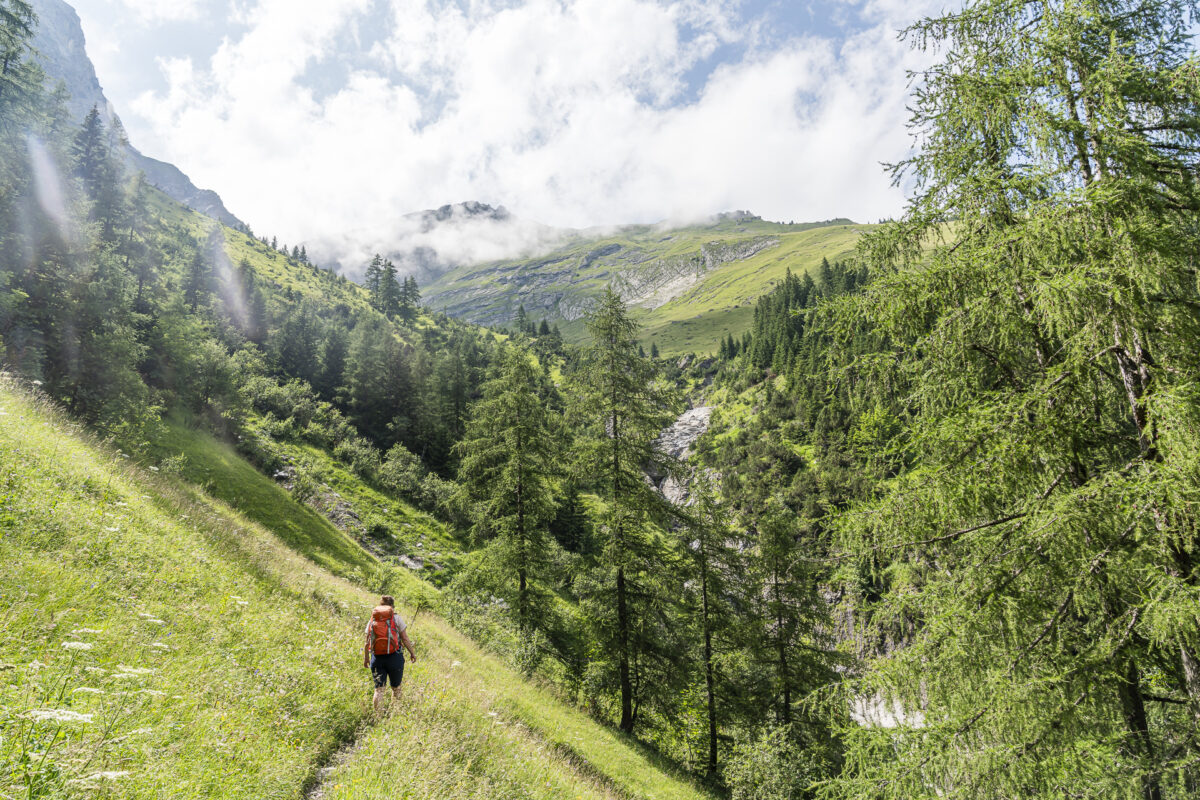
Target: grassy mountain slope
x,y
158,642
689,287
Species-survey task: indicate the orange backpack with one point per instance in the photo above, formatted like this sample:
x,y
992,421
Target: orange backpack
x,y
383,629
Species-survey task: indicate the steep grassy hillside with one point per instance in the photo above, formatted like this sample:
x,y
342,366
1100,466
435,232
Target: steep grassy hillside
x,y
158,643
689,287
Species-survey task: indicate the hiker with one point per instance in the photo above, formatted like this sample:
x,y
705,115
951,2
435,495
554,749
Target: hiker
x,y
385,633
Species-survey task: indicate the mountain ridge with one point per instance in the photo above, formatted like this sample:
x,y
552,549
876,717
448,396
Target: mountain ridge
x,y
61,49
689,286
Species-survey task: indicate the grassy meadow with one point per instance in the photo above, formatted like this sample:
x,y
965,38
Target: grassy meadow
x,y
160,642
718,302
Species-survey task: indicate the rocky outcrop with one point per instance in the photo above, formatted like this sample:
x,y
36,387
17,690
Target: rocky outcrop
x,y
62,52
563,284
676,441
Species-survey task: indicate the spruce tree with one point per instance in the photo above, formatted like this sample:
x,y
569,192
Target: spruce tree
x,y
372,279
388,296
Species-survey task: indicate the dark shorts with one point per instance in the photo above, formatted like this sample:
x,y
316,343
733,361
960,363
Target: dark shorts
x,y
388,668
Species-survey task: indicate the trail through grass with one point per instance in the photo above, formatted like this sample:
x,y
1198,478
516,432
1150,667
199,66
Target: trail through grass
x,y
159,643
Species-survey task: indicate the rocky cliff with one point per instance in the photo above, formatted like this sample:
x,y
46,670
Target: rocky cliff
x,y
62,52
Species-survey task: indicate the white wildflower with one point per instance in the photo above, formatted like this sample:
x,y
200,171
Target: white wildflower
x,y
242,603
152,693
108,776
160,646
153,469
88,690
77,646
101,670
59,715
112,530
136,670
456,664
81,631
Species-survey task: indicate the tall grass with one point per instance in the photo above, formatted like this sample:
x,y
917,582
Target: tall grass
x,y
155,643
158,643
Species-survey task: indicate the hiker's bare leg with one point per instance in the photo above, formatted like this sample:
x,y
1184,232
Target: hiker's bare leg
x,y
377,700
396,692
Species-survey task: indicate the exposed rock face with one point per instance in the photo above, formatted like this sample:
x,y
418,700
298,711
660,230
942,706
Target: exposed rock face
x,y
62,52
561,285
677,442
877,712
678,439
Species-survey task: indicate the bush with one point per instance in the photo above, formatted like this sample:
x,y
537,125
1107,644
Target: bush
x,y
402,472
437,495
773,767
360,456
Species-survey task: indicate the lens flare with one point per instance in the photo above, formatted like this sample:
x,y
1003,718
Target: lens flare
x,y
232,292
48,184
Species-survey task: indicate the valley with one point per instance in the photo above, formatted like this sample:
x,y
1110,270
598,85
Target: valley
x,y
730,510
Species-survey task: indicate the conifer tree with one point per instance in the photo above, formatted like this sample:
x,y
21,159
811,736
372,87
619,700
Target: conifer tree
x,y
570,524
20,79
372,278
1040,561
101,174
388,294
507,459
617,393
198,279
712,570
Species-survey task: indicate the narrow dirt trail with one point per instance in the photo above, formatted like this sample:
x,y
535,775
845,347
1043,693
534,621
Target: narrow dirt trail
x,y
323,777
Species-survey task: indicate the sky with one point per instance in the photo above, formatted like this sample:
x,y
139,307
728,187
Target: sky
x,y
326,121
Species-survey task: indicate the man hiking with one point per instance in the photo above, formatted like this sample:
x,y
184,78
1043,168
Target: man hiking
x,y
385,633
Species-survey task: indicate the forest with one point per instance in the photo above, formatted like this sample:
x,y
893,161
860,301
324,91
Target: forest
x,y
941,536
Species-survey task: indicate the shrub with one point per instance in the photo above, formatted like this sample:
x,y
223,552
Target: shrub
x,y
358,454
402,472
773,767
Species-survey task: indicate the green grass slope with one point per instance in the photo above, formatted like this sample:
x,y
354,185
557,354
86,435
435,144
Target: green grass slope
x,y
160,643
156,643
689,287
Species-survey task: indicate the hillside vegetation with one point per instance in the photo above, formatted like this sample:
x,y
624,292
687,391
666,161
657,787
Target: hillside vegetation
x,y
688,287
160,643
940,539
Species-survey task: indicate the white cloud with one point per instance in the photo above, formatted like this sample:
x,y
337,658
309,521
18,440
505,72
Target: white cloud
x,y
570,113
156,11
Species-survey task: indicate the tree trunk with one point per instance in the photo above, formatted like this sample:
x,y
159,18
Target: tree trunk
x,y
623,650
785,708
1134,710
712,704
708,664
